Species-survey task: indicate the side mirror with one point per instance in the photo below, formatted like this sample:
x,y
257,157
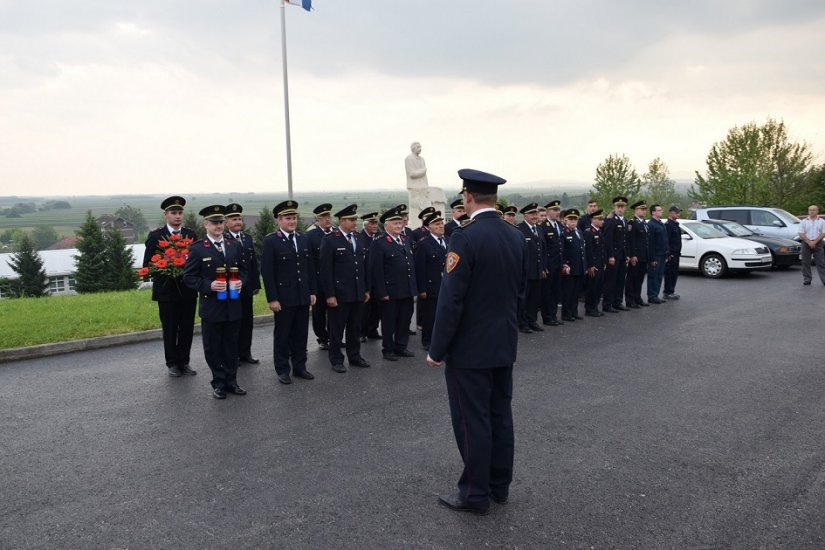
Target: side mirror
x,y
686,237
777,223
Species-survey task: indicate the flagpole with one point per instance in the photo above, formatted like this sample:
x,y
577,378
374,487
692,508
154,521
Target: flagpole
x,y
286,101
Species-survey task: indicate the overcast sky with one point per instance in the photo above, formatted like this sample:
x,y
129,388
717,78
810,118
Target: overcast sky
x,y
108,96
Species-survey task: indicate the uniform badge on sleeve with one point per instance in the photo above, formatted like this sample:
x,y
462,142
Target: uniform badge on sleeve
x,y
452,261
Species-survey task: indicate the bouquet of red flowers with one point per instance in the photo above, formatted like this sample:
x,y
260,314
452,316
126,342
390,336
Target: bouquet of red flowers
x,y
169,259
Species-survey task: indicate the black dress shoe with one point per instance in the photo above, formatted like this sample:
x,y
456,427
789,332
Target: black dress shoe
x,y
363,339
579,317
175,372
655,301
236,389
360,362
806,283
610,309
568,318
411,332
339,368
525,330
323,345
284,379
186,369
551,323
620,307
305,374
455,502
535,328
404,353
644,304
219,393
390,356
633,306
499,499
592,313
250,360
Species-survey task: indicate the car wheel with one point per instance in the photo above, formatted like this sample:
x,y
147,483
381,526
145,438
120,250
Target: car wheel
x,y
713,266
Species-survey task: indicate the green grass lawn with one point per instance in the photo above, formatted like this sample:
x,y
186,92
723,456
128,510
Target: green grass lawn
x,y
31,321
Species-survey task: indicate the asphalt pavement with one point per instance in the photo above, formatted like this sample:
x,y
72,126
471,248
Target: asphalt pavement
x,y
693,424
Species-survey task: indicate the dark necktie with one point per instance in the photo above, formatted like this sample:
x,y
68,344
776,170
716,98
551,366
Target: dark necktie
x,y
292,241
533,229
219,246
441,242
351,242
176,232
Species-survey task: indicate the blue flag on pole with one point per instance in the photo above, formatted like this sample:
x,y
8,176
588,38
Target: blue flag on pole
x,y
306,4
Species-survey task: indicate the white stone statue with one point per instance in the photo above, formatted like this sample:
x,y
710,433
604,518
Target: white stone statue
x,y
421,195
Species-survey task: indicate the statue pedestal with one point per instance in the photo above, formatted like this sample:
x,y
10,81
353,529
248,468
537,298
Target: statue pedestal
x,y
420,197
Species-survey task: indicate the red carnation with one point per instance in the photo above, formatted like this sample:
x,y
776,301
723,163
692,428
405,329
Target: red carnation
x,y
174,237
143,272
156,257
180,244
163,244
170,252
179,262
162,264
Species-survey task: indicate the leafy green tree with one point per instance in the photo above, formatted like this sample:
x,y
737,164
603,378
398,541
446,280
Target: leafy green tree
x,y
263,227
658,186
615,176
816,182
134,216
755,165
31,275
44,236
91,274
12,236
120,261
191,221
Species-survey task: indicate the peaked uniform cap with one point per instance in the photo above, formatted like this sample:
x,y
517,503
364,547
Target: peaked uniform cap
x,y
173,202
285,208
619,201
571,214
426,212
532,207
554,204
347,212
233,210
597,214
213,213
370,217
476,181
639,204
433,217
394,213
322,209
458,203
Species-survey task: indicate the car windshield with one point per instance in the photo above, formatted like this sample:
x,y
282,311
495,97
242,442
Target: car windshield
x,y
785,216
705,231
735,229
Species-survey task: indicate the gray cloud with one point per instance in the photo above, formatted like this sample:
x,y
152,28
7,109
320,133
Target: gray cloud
x,y
492,41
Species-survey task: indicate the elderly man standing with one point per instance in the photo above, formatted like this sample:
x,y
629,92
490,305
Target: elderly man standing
x,y
811,233
477,337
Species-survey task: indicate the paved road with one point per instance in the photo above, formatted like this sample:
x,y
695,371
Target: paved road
x,y
694,424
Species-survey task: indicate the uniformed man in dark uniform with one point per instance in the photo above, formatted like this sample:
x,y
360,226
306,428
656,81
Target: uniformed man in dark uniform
x,y
406,233
584,221
615,249
476,335
510,214
573,267
594,265
322,227
421,231
674,240
457,207
371,312
392,276
220,314
551,286
287,270
637,244
234,231
176,301
536,268
345,283
430,255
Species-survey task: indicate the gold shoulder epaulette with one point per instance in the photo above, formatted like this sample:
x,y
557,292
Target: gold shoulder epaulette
x,y
465,223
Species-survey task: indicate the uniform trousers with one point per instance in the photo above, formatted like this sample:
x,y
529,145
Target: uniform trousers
x,y
370,317
345,317
480,408
245,333
571,286
614,283
532,302
654,277
633,284
594,287
290,335
671,274
550,295
220,347
319,319
427,308
396,314
178,321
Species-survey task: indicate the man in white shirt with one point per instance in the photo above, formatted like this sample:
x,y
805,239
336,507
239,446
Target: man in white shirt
x,y
811,233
